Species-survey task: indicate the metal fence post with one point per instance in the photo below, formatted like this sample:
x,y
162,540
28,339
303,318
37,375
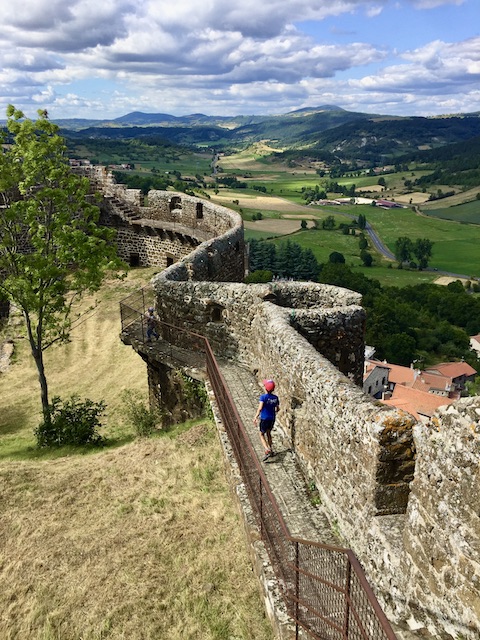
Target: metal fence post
x,y
297,587
348,583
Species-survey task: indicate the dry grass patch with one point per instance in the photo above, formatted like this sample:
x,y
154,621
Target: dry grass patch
x,y
141,542
265,203
283,227
444,280
94,364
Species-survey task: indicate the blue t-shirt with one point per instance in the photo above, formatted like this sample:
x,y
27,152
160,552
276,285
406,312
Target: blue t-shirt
x,y
269,408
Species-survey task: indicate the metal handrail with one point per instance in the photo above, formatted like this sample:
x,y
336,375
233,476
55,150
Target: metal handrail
x,y
324,587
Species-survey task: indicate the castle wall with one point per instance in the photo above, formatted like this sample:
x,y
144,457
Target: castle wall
x,y
441,566
415,544
149,247
405,496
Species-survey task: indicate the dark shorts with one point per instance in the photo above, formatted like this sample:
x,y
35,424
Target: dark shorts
x,y
266,425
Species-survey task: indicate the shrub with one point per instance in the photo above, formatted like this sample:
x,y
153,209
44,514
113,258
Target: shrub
x,y
72,422
336,258
143,419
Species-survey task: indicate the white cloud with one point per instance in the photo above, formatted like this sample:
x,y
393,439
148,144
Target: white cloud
x,y
234,56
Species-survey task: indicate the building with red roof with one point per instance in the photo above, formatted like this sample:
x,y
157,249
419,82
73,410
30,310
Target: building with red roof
x,y
418,392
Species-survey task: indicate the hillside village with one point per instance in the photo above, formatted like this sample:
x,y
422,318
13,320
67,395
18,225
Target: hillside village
x,y
418,392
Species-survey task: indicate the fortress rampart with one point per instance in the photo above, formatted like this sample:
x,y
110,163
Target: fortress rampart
x,y
405,496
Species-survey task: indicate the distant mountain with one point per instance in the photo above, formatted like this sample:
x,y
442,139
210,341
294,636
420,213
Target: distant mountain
x,y
307,110
328,129
143,119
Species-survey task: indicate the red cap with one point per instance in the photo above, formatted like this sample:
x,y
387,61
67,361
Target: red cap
x,y
269,385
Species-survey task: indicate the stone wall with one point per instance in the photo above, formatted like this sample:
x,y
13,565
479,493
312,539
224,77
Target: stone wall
x,y
169,227
441,565
146,246
404,496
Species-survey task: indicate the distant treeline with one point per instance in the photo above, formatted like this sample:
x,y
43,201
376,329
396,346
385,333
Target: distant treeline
x,y
456,165
161,182
287,260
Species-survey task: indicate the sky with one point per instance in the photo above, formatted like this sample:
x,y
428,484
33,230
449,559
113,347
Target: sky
x,y
105,58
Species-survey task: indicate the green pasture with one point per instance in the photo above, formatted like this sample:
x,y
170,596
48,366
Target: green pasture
x,y
323,243
396,277
188,165
253,234
456,246
468,212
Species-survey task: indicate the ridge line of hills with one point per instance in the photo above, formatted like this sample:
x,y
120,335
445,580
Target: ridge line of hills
x,y
322,132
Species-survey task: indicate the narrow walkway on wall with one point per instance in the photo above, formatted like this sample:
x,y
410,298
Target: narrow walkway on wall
x,y
303,518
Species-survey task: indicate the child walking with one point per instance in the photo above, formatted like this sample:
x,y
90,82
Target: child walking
x,y
268,407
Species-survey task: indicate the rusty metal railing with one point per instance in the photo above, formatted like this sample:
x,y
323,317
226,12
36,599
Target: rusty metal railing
x,y
325,590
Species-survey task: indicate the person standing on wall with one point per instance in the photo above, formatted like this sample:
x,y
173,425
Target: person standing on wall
x,y
268,407
151,320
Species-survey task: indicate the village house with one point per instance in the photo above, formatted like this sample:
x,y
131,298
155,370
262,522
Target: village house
x,y
420,393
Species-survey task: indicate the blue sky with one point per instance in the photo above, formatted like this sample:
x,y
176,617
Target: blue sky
x,y
90,59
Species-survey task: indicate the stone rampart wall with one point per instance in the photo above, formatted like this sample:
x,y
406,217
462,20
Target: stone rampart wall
x,y
189,211
171,226
405,496
441,564
151,248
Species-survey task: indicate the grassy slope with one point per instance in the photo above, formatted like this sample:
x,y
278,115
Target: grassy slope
x,y
140,541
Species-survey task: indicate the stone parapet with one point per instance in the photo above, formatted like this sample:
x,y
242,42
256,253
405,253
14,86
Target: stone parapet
x,y
404,496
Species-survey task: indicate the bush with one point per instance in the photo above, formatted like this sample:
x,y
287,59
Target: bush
x,y
143,419
336,258
260,275
72,422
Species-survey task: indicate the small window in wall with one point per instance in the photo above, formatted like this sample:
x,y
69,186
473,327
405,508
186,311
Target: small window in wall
x,y
170,261
216,313
134,260
236,246
199,210
4,308
270,297
175,203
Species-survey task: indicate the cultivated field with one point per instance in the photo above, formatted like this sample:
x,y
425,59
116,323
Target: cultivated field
x,y
139,540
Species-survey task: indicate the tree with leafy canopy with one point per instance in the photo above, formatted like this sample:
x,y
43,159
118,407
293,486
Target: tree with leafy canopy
x,y
52,250
422,249
403,249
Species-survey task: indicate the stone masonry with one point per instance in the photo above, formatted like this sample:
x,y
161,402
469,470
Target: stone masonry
x,y
404,495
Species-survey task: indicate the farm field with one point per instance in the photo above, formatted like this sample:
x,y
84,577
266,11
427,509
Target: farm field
x,y
456,246
468,212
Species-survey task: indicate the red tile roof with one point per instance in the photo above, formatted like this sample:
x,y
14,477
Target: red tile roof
x,y
426,381
418,403
452,369
397,374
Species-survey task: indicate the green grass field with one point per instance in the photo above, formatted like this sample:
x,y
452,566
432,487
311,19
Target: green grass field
x,y
467,213
456,246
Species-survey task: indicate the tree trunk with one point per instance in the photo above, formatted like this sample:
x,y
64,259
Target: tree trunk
x,y
37,354
43,386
